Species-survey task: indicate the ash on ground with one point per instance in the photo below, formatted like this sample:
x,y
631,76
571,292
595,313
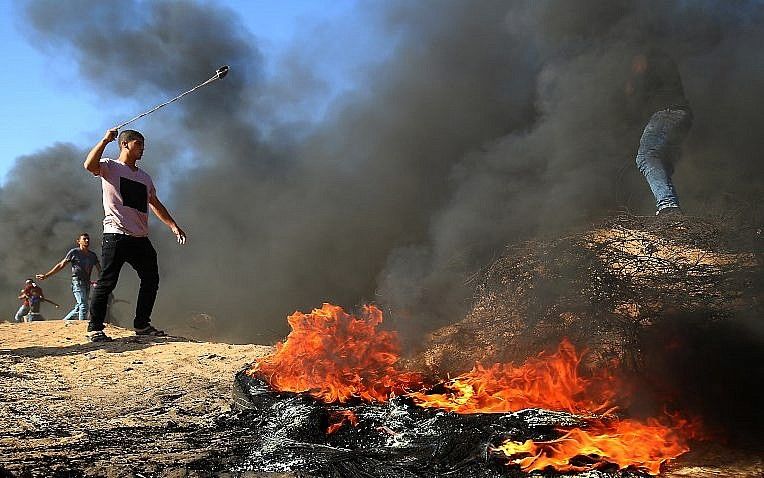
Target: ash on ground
x,y
393,440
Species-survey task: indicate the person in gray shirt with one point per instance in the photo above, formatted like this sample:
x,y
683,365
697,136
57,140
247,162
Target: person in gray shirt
x,y
82,260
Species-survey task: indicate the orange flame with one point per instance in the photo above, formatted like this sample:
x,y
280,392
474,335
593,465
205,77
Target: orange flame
x,y
624,443
550,382
340,418
335,356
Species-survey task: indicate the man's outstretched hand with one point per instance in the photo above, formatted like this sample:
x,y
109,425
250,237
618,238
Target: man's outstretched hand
x,y
179,234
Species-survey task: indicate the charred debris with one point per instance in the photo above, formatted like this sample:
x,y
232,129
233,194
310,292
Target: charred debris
x,y
392,440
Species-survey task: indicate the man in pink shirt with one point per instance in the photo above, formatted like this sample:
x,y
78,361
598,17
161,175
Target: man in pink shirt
x,y
128,193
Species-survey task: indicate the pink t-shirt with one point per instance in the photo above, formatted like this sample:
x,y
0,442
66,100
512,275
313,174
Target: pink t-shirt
x,y
126,196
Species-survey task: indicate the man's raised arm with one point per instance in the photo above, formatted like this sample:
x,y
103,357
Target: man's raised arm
x,y
93,161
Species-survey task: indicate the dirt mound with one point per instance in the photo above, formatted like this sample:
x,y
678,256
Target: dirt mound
x,y
606,289
675,301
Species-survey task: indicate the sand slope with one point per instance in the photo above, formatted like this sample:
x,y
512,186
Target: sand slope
x,y
137,406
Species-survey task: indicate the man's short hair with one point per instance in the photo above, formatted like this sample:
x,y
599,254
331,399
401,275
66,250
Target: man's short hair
x,y
129,135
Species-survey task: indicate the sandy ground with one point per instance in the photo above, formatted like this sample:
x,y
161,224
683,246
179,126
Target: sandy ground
x,y
134,407
151,407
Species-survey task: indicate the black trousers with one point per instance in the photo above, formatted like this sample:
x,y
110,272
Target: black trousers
x,y
140,254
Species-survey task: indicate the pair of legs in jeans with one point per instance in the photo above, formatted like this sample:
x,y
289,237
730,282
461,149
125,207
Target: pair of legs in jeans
x,y
659,148
21,313
119,249
81,291
31,312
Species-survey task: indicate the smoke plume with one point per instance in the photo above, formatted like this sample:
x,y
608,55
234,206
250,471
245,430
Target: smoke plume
x,y
482,123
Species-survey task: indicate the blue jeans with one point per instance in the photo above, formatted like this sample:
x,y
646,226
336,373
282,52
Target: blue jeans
x,y
29,312
23,310
81,291
659,148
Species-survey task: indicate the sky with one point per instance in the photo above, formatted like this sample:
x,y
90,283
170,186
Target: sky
x,y
45,102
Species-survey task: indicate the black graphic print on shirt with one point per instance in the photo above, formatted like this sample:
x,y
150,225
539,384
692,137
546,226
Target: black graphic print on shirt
x,y
134,194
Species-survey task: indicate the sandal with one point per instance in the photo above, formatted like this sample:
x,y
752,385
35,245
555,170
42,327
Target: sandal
x,y
98,336
151,331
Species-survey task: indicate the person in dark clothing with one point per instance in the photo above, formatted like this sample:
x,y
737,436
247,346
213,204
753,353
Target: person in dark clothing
x,y
655,88
128,193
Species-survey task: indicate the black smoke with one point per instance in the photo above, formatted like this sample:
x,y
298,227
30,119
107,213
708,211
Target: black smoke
x,y
38,230
481,123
